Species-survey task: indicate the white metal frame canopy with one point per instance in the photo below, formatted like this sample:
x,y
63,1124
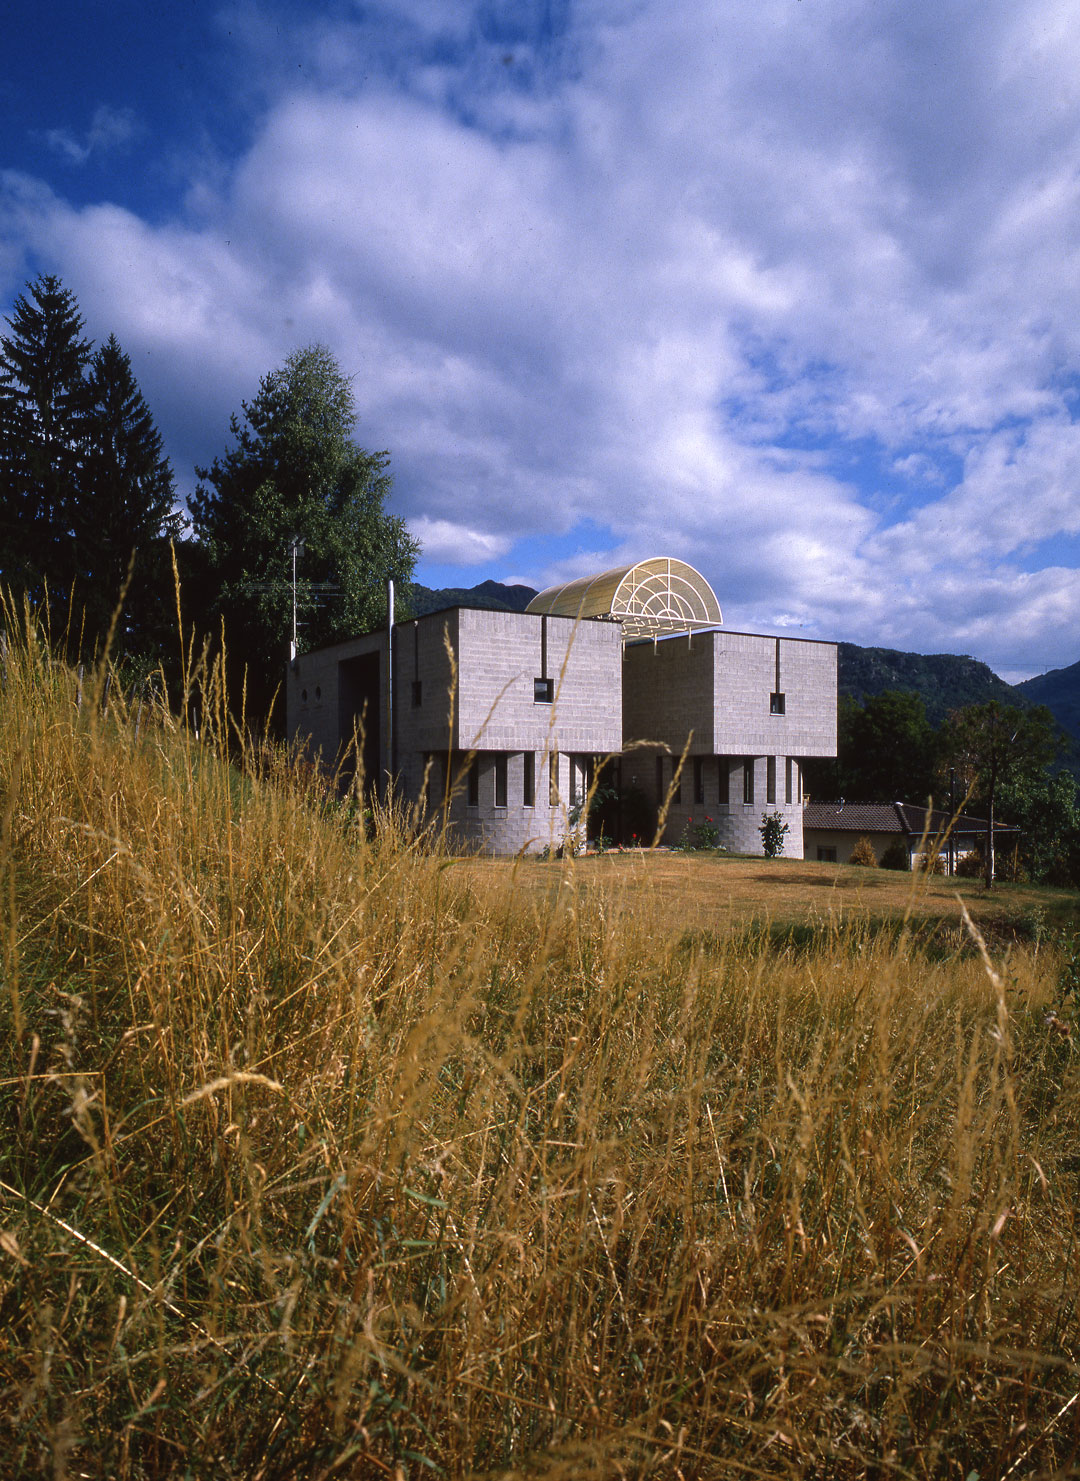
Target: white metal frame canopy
x,y
649,599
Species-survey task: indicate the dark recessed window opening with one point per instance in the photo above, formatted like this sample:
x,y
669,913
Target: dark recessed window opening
x,y
318,692
770,781
417,695
776,704
500,780
748,779
553,779
472,789
528,779
826,855
725,780
303,695
787,781
543,691
699,778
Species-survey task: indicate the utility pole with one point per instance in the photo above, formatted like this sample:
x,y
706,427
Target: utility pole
x,y
390,737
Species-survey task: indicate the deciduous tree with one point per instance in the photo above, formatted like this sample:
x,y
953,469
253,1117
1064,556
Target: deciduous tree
x,y
992,743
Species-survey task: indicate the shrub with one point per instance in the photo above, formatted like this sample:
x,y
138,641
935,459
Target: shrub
x,y
703,834
863,853
896,856
773,831
971,865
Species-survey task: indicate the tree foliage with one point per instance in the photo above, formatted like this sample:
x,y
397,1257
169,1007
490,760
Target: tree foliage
x,y
887,751
991,743
43,402
126,503
294,473
84,484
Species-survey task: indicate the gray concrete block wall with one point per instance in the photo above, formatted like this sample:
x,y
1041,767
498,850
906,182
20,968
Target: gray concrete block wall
x,y
745,678
717,686
738,822
668,692
501,830
500,655
312,694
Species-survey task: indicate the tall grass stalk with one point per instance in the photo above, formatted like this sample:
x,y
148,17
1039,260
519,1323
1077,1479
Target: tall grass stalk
x,y
320,1157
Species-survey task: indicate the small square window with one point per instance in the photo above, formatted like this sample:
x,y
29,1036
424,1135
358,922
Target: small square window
x,y
776,704
543,691
417,699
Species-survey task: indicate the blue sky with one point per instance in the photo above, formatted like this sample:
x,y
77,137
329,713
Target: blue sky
x,y
787,288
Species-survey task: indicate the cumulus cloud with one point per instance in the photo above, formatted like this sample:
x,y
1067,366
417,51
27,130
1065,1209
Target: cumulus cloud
x,y
792,292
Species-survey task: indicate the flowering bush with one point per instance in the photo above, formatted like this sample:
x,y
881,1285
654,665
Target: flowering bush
x,y
701,835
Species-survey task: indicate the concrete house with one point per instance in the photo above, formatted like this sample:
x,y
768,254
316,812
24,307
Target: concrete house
x,y
501,721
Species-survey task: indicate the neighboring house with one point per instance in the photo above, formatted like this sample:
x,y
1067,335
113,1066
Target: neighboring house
x,y
831,830
499,720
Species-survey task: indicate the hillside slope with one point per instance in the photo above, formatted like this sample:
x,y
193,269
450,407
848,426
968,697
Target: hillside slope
x,y
492,595
944,681
1059,690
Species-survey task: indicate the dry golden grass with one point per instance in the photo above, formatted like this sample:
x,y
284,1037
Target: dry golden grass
x,y
703,891
327,1155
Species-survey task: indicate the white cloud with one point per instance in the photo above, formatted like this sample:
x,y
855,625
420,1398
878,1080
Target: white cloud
x,y
457,544
109,128
675,271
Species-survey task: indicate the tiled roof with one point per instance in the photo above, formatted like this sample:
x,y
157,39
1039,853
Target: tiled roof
x,y
915,820
890,817
856,817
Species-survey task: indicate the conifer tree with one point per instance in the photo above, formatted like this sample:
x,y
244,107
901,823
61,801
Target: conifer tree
x,y
125,509
295,474
43,399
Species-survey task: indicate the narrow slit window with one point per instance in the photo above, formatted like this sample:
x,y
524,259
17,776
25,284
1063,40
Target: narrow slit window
x,y
724,768
500,779
553,779
748,779
770,781
417,694
787,781
699,778
472,782
528,779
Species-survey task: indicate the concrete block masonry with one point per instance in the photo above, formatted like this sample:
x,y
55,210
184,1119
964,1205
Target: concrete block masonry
x,y
539,700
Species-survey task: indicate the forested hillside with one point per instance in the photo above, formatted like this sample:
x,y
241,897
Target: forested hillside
x,y
492,595
1059,690
943,681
